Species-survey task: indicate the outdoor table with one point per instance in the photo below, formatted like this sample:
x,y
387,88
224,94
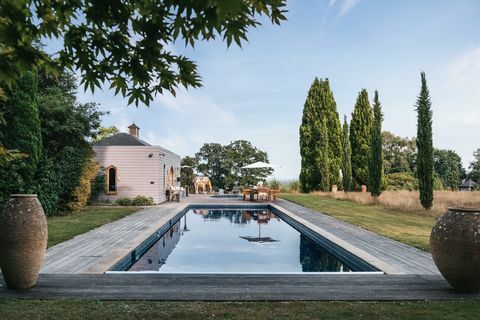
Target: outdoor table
x,y
251,192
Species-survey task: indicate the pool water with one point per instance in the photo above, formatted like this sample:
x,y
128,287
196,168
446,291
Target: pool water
x,y
206,240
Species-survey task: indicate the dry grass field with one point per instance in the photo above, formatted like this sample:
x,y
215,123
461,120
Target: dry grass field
x,y
408,201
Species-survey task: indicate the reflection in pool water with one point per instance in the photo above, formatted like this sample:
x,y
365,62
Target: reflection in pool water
x,y
235,241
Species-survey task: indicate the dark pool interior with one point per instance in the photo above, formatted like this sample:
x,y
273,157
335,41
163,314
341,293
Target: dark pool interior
x,y
236,240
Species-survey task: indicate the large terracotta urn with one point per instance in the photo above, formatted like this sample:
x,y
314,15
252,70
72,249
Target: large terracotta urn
x,y
23,240
455,245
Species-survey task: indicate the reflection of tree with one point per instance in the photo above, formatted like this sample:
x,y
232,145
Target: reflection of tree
x,y
237,216
316,259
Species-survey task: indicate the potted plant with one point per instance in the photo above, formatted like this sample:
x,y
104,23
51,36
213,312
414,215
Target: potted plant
x,y
23,240
455,245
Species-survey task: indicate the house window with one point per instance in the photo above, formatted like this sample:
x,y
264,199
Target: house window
x,y
111,180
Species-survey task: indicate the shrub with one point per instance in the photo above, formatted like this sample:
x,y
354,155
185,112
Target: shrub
x,y
123,202
401,181
81,193
294,186
142,201
98,186
47,187
274,184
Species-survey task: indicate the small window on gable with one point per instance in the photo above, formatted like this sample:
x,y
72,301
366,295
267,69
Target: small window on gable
x,y
111,180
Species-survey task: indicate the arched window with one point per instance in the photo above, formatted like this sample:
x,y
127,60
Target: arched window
x,y
111,180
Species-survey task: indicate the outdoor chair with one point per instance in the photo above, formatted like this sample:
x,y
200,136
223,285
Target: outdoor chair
x,y
263,194
274,194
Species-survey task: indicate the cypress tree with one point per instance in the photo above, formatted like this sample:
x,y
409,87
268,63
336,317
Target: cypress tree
x,y
360,141
424,145
308,144
323,154
21,131
376,157
328,111
319,106
347,182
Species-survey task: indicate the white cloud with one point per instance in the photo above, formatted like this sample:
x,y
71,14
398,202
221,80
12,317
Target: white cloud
x,y
463,73
347,6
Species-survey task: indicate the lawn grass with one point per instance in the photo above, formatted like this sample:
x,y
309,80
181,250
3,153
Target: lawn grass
x,y
63,228
407,227
88,309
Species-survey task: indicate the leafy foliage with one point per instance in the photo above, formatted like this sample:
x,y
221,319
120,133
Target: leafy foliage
x,y
98,185
124,201
320,106
187,175
142,201
474,167
424,145
323,160
223,164
401,181
360,133
376,154
399,154
20,131
347,180
82,191
123,42
448,167
104,132
64,128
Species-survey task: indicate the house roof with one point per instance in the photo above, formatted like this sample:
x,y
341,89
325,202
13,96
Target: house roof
x,y
468,183
121,139
133,126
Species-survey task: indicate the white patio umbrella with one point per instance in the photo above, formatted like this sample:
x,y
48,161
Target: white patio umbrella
x,y
260,164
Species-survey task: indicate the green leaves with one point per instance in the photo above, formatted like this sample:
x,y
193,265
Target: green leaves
x,y
360,132
223,164
376,154
125,42
424,145
317,155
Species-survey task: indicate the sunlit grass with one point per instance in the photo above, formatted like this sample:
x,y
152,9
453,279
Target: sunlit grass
x,y
63,228
412,228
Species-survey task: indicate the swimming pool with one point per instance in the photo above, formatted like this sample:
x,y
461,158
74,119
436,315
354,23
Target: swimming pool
x,y
237,240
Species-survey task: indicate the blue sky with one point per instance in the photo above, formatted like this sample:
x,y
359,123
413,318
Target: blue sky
x,y
257,92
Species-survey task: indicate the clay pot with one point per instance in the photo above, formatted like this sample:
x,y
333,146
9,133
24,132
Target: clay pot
x,y
455,244
23,240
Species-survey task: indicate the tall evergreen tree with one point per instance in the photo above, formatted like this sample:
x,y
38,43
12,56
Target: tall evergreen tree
x,y
424,145
21,131
376,157
308,144
347,182
360,132
328,111
323,157
320,105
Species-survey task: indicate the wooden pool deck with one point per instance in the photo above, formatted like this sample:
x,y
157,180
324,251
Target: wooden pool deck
x,y
75,268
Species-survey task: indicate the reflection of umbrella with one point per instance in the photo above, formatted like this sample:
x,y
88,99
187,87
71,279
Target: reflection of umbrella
x,y
260,164
259,238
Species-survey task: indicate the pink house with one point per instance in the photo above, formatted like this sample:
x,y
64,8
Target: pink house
x,y
133,167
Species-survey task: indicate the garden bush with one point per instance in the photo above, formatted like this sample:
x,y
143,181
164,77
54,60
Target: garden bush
x,y
137,201
98,186
82,192
123,202
142,201
294,186
401,181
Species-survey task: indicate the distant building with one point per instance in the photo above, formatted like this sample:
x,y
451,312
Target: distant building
x,y
467,185
134,167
